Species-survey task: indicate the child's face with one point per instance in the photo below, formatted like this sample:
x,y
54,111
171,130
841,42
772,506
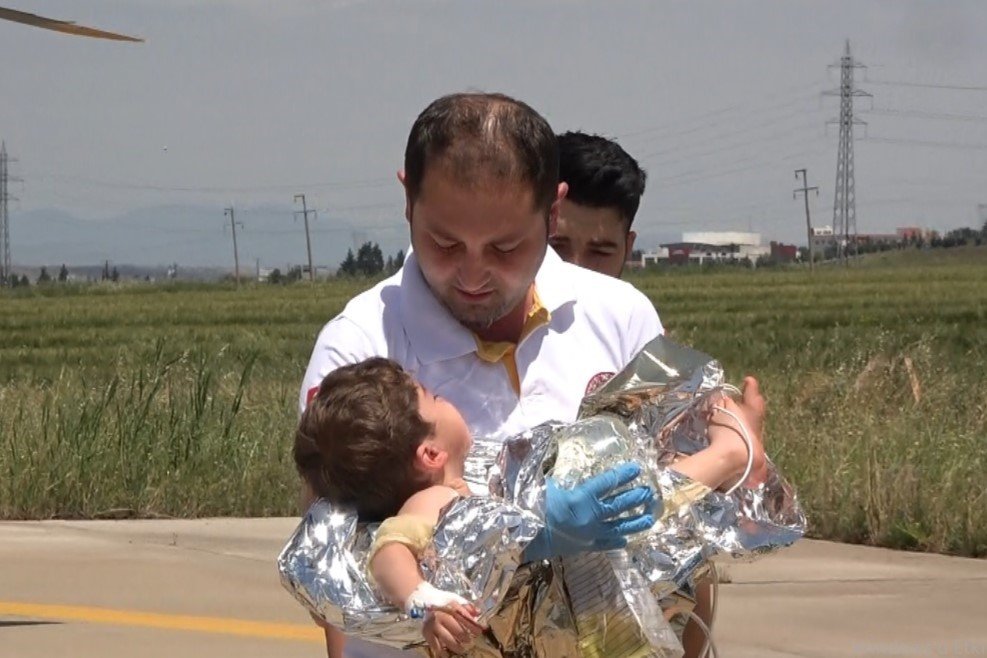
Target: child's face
x,y
451,433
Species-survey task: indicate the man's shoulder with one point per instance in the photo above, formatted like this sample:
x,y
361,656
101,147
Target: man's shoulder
x,y
604,293
613,308
368,326
373,312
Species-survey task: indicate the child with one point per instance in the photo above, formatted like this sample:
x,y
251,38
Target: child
x,y
375,440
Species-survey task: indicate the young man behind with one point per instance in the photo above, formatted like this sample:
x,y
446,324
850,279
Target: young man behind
x,y
605,188
594,231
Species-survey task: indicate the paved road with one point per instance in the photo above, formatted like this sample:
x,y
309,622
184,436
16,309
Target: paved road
x,y
209,588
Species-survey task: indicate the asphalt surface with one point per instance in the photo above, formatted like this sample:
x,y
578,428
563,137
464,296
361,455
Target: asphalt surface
x,y
209,588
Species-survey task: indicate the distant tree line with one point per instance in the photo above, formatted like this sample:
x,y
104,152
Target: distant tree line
x,y
957,237
45,277
278,277
369,261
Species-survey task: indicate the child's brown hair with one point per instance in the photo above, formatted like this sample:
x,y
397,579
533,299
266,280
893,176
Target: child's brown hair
x,y
357,439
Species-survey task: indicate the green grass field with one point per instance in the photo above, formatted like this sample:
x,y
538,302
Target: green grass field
x,y
138,400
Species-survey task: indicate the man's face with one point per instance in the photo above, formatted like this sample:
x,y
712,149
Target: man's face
x,y
480,246
594,238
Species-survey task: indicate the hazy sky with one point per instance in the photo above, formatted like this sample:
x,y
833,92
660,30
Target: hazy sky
x,y
252,101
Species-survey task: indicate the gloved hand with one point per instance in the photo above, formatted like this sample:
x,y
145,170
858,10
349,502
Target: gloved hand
x,y
584,518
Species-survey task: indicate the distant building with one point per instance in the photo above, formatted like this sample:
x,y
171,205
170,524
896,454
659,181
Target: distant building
x,y
824,237
784,253
659,254
321,271
709,246
878,238
916,234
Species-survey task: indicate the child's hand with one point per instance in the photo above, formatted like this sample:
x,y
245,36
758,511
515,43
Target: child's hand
x,y
451,629
725,435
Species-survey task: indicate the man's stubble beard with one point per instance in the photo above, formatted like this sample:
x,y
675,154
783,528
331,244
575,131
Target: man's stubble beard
x,y
480,321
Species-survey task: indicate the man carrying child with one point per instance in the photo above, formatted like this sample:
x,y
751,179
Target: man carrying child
x,y
485,316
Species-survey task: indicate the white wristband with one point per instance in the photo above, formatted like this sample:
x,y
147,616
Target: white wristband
x,y
425,597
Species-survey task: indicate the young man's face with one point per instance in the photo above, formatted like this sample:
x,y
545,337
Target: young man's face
x,y
478,246
594,238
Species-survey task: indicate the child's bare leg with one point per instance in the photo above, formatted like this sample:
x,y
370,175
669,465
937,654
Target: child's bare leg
x,y
694,637
335,641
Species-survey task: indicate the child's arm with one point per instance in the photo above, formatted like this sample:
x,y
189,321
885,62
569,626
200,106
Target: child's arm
x,y
395,570
451,621
394,566
726,457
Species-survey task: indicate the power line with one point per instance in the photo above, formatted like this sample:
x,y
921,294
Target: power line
x,y
926,85
726,128
928,143
744,161
363,206
675,124
95,182
771,121
921,114
719,151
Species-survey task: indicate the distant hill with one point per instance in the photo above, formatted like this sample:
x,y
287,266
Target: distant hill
x,y
189,235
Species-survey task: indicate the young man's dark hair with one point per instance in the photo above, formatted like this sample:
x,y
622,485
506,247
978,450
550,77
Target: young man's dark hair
x,y
605,188
600,174
483,134
356,441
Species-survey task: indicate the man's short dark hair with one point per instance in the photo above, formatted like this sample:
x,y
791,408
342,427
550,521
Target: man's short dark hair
x,y
357,438
600,174
477,136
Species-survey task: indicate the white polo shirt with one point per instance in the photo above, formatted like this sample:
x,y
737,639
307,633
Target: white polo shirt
x,y
597,325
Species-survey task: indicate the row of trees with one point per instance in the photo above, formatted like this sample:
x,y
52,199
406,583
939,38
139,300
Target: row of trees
x,y
277,277
960,237
45,277
369,261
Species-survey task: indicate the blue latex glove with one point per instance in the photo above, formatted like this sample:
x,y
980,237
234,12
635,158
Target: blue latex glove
x,y
584,518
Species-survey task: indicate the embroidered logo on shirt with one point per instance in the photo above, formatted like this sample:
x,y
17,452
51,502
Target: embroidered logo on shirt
x,y
598,380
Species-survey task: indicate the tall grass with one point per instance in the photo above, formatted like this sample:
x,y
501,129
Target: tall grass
x,y
889,445
161,434
876,387
180,400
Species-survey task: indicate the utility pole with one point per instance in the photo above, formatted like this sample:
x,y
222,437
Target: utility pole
x,y
236,254
845,201
805,189
308,240
5,179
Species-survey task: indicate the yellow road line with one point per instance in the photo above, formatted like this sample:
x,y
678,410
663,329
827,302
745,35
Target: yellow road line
x,y
223,625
